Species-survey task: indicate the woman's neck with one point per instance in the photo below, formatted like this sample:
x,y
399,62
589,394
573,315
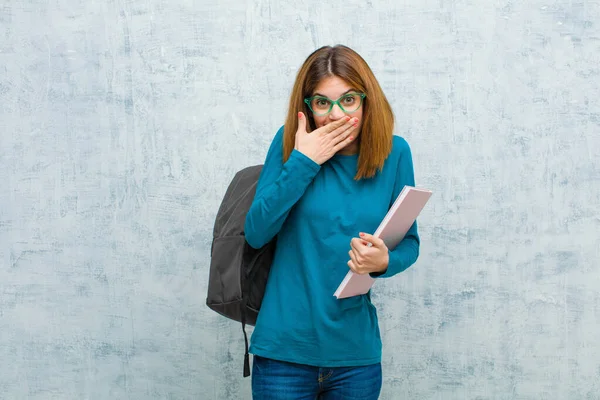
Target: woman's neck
x,y
350,150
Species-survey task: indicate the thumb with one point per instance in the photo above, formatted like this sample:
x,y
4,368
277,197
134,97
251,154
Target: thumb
x,y
375,241
301,123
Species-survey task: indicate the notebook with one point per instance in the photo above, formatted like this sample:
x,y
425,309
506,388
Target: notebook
x,y
391,230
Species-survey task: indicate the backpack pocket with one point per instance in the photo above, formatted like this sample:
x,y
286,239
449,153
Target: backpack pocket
x,y
257,273
225,278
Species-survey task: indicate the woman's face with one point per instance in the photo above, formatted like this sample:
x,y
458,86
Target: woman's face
x,y
334,88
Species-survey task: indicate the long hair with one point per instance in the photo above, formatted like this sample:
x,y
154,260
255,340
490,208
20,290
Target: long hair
x,y
376,138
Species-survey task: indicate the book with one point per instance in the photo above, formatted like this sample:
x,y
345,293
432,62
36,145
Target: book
x,y
392,229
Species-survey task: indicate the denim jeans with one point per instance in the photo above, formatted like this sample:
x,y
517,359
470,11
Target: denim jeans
x,y
279,380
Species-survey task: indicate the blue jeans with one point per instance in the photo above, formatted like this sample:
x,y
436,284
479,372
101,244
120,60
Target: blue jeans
x,y
279,380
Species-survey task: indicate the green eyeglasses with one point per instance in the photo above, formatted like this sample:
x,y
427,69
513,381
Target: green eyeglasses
x,y
321,105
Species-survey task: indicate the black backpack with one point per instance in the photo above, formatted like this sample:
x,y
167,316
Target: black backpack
x,y
238,273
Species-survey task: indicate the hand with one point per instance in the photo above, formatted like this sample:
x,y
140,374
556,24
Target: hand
x,y
368,254
322,144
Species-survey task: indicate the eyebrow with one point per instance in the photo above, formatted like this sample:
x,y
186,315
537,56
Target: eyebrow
x,y
346,92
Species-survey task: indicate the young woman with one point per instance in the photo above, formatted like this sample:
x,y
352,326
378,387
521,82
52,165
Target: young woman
x,y
330,176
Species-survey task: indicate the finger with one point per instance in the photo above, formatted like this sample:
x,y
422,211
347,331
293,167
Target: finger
x,y
354,257
334,125
353,266
356,268
301,122
344,135
375,241
355,243
359,248
343,143
350,124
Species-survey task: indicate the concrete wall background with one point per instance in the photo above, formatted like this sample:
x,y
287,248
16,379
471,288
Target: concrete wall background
x,y
121,124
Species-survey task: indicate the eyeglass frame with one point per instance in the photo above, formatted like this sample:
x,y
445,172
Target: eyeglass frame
x,y
308,100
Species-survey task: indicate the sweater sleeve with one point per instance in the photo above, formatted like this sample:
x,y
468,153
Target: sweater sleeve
x,y
407,251
279,187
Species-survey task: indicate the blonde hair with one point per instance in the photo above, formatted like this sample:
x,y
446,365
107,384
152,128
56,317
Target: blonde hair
x,y
376,138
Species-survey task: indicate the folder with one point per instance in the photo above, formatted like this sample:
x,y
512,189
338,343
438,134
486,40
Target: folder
x,y
392,229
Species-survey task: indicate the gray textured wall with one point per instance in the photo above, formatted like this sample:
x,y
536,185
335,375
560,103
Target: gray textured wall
x,y
122,122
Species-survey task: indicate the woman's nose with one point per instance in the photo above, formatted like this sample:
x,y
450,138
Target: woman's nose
x,y
336,112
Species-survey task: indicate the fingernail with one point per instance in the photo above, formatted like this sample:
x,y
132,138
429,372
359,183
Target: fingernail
x,y
299,115
362,234
351,138
347,118
355,125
